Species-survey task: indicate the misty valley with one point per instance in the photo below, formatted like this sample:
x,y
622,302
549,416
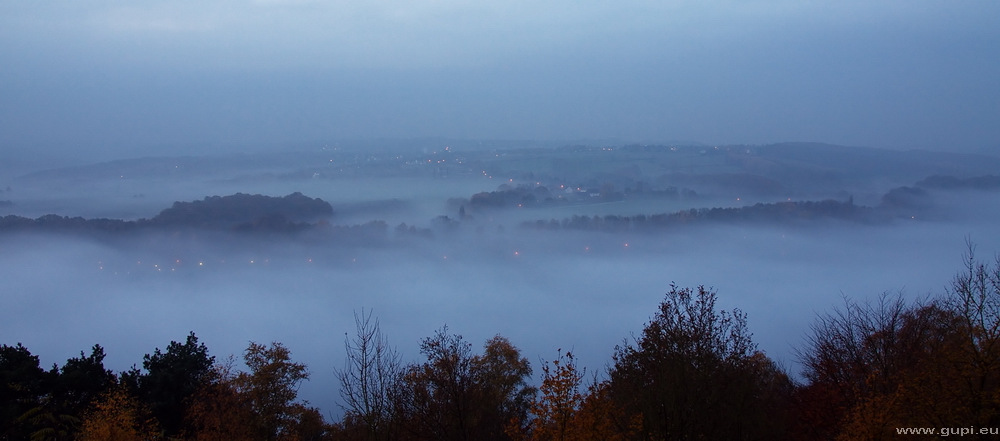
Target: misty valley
x,y
544,252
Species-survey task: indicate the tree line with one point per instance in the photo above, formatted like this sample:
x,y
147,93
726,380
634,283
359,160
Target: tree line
x,y
275,222
693,372
778,212
259,214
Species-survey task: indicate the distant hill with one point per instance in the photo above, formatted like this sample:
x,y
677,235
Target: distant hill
x,y
182,167
937,182
239,212
802,168
805,161
216,211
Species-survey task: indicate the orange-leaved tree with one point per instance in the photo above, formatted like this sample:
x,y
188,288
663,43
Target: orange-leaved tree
x,y
458,395
259,405
555,409
877,366
118,416
562,412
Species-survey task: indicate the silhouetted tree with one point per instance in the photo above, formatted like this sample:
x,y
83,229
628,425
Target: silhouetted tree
x,y
81,380
873,367
68,392
975,299
368,378
256,405
455,395
694,373
218,410
171,377
272,387
22,386
851,355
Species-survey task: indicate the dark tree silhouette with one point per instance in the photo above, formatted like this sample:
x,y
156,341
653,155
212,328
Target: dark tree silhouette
x,y
367,381
170,379
694,373
22,386
455,395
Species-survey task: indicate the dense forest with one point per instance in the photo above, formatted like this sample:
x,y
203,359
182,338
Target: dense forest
x,y
870,370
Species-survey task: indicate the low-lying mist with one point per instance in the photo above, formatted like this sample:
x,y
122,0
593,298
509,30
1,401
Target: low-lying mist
x,y
579,291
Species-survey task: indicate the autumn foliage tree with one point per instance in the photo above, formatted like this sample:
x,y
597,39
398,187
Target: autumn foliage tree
x,y
456,395
874,367
856,358
555,409
218,410
975,298
258,405
601,419
118,416
562,411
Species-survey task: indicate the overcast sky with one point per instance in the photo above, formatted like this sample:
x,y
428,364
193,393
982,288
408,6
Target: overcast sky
x,y
898,74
